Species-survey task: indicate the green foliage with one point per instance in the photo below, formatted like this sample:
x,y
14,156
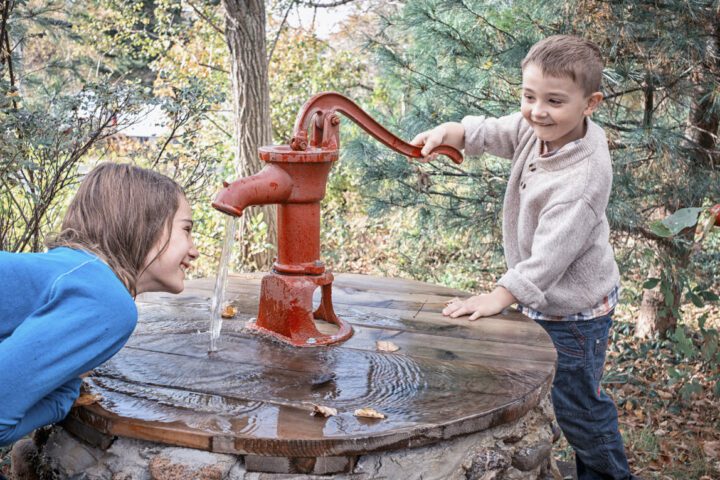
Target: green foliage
x,y
701,349
45,138
677,222
444,59
303,65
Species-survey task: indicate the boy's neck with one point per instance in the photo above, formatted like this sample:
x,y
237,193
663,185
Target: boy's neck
x,y
548,147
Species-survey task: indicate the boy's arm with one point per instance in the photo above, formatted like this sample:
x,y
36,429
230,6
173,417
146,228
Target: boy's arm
x,y
496,136
482,305
476,135
559,239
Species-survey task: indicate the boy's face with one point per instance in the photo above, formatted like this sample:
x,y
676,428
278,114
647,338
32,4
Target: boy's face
x,y
555,107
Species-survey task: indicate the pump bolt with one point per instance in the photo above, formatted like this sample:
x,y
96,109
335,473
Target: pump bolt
x,y
334,120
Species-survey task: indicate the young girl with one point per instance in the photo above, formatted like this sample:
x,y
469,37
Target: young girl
x,y
66,311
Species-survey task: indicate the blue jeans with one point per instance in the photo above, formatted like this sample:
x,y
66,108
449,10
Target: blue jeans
x,y
586,415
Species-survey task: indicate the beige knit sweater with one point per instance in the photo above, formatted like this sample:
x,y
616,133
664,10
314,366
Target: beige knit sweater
x,y
555,232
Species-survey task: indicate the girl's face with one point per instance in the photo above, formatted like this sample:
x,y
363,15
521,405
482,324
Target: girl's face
x,y
166,273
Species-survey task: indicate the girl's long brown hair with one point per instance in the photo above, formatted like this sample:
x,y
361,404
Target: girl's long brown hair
x,y
119,213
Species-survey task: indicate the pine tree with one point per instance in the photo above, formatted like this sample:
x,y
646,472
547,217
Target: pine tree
x,y
450,58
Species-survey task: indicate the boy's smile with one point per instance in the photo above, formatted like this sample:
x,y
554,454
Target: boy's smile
x,y
555,107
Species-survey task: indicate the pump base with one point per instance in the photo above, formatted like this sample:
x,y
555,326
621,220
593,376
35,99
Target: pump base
x,y
286,310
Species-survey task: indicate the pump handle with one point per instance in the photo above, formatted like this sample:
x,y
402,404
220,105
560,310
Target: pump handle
x,y
327,103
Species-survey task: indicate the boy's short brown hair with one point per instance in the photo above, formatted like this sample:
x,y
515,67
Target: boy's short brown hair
x,y
568,56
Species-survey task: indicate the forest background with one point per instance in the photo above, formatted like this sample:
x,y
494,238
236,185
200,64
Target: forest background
x,y
86,82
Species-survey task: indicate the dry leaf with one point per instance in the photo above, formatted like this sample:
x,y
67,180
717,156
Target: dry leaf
x,y
665,395
228,312
368,413
712,449
87,399
319,410
385,346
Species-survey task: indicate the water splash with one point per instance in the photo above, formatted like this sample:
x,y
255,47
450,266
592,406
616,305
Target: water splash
x,y
221,282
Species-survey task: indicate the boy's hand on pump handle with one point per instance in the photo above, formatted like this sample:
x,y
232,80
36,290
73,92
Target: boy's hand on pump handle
x,y
451,133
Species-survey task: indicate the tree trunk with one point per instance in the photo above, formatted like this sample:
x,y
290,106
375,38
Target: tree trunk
x,y
245,36
653,318
701,146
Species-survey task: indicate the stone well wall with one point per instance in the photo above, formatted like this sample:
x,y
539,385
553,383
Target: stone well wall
x,y
519,450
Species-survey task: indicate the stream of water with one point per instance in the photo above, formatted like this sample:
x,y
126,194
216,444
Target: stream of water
x,y
218,299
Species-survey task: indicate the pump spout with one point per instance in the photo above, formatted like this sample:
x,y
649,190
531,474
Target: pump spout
x,y
270,185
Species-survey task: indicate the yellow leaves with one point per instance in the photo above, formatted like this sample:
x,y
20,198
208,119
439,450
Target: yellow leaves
x,y
228,312
368,412
320,410
386,346
87,399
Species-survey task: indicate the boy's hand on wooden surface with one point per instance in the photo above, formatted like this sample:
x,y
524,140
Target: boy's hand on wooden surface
x,y
476,306
482,305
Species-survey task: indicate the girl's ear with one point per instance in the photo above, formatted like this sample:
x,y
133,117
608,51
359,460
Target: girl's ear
x,y
592,103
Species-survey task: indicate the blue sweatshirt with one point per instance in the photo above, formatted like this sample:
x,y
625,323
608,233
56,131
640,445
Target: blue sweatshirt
x,y
62,313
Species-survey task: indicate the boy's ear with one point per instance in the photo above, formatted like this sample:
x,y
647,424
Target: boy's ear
x,y
593,102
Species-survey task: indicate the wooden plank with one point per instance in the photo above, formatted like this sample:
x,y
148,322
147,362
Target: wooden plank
x,y
254,396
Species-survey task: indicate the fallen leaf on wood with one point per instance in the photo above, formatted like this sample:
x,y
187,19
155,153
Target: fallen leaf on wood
x,y
368,413
320,410
385,346
87,399
228,312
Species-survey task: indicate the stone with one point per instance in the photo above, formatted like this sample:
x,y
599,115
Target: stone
x,y
187,464
69,457
530,457
487,463
23,458
556,432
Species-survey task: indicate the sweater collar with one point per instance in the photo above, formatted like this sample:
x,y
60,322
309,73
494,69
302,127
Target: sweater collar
x,y
572,152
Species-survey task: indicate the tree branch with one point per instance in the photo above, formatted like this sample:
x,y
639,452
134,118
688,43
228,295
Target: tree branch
x,y
336,3
280,29
206,18
214,67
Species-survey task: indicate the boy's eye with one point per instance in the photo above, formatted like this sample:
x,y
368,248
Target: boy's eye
x,y
555,101
528,97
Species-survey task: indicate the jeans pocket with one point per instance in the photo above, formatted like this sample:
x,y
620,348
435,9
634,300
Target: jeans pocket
x,y
569,342
599,353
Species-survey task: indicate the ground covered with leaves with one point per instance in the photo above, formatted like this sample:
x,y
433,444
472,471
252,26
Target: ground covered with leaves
x,y
668,399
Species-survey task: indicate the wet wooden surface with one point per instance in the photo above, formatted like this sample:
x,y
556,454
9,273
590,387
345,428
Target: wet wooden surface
x,y
255,396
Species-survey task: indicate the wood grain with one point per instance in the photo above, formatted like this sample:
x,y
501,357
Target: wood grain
x,y
255,396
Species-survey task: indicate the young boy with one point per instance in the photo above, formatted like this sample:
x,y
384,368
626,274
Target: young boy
x,y
561,267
